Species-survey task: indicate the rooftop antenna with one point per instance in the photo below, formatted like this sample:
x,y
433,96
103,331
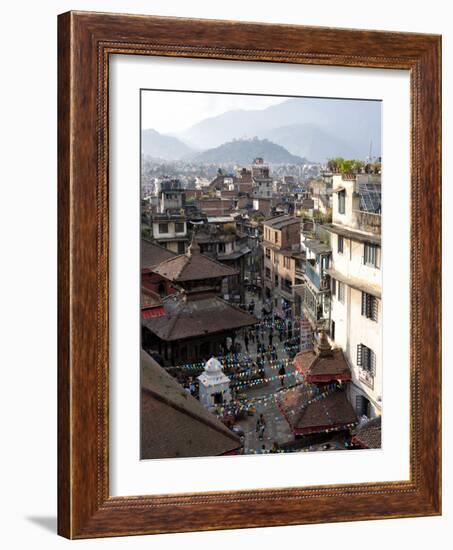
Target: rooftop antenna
x,y
371,149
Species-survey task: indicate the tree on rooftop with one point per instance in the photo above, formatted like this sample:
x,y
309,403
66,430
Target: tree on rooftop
x,y
345,166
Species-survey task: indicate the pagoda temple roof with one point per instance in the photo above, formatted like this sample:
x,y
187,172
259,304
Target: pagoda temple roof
x,y
191,318
316,368
193,266
153,254
307,416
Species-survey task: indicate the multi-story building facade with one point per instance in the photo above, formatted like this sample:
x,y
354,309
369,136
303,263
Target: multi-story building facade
x,y
355,272
316,290
251,231
171,196
170,231
221,242
262,181
281,251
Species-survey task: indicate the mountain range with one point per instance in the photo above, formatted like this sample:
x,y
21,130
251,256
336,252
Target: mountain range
x,y
311,128
161,146
243,151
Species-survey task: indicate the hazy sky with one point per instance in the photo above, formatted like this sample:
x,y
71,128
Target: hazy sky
x,y
173,112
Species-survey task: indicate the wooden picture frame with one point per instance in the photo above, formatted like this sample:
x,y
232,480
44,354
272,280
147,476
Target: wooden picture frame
x,y
85,41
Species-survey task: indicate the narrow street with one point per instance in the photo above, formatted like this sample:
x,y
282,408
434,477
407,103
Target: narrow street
x,y
276,427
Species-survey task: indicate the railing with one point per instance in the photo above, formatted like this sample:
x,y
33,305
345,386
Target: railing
x,y
286,288
368,221
319,282
312,275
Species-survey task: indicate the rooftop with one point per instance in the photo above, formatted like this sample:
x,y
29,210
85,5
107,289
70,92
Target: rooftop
x,y
324,365
235,254
317,247
353,235
175,424
368,435
332,412
220,219
192,266
280,222
153,254
195,318
206,236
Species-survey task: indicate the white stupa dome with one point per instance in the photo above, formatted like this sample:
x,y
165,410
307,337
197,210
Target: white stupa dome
x,y
213,373
213,365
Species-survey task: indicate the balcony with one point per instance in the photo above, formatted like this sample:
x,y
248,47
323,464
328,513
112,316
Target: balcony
x,y
316,307
287,293
368,221
300,268
321,283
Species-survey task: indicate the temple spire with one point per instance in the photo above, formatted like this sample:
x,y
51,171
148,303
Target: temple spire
x,y
323,348
194,247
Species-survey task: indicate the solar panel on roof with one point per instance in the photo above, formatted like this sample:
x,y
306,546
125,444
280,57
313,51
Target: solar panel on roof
x,y
370,197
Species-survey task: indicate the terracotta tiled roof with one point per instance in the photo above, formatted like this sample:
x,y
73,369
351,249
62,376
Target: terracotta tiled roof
x,y
306,416
369,435
198,317
153,254
322,369
175,424
192,267
153,312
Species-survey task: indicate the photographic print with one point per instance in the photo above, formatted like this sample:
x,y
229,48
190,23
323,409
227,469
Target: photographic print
x,y
261,315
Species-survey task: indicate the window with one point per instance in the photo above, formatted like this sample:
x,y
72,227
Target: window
x,y
369,306
341,290
181,247
366,359
163,228
286,285
342,202
179,227
268,253
221,248
370,254
268,273
275,236
340,244
333,287
362,406
332,330
276,280
286,262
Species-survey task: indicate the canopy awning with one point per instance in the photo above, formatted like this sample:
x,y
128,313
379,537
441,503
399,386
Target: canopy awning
x,y
153,312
